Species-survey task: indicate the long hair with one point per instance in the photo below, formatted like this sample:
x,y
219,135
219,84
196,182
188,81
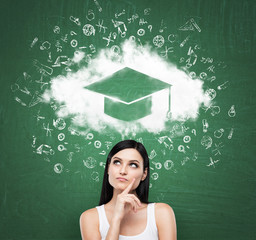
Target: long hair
x,y
143,188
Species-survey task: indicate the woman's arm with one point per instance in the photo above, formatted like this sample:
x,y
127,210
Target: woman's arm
x,y
89,225
125,203
165,221
114,229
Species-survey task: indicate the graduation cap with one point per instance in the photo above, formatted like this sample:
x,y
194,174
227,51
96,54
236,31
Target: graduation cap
x,y
128,93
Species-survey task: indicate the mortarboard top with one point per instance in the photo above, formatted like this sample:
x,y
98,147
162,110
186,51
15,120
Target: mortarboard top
x,y
127,93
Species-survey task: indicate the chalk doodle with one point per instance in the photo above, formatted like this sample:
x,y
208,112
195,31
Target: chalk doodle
x,y
100,26
34,42
157,165
90,162
48,130
90,15
74,43
91,48
168,164
59,123
154,176
88,30
58,168
158,41
232,111
186,139
75,20
218,133
212,162
205,125
95,176
230,135
61,148
190,25
181,148
141,32
97,144
206,141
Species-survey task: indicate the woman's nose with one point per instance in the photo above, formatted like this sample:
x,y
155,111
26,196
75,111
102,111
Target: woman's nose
x,y
123,170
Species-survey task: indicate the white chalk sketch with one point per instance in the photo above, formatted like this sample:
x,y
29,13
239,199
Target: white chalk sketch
x,y
48,130
101,26
59,123
211,93
70,156
212,162
90,15
218,133
232,111
158,41
141,32
95,176
91,49
62,148
75,20
168,164
206,141
217,148
88,30
34,42
190,25
154,176
230,135
97,144
90,162
181,148
153,154
98,5
157,165
205,125
186,139
58,168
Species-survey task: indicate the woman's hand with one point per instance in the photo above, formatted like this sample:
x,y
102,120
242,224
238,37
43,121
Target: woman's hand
x,y
126,202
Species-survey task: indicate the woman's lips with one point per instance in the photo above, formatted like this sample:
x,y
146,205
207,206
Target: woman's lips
x,y
122,179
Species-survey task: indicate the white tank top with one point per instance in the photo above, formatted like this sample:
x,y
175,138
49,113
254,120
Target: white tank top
x,y
150,232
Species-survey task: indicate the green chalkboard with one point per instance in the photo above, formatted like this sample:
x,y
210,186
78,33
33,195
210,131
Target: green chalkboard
x,y
59,119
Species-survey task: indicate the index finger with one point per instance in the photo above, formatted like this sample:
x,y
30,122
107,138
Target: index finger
x,y
129,187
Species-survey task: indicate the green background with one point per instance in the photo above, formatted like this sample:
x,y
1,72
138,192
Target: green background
x,y
209,202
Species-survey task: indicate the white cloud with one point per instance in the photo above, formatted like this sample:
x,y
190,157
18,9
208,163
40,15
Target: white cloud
x,y
87,108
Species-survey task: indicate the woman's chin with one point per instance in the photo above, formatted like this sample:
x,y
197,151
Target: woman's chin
x,y
120,186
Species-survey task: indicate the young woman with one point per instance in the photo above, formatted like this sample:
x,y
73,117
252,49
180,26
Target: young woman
x,y
124,212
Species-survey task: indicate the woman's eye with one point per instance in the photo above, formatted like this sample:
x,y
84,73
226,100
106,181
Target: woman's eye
x,y
134,165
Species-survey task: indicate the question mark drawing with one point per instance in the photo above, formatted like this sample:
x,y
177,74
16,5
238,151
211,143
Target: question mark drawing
x,y
194,131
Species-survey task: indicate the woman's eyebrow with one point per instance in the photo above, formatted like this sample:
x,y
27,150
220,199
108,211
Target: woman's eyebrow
x,y
134,161
129,160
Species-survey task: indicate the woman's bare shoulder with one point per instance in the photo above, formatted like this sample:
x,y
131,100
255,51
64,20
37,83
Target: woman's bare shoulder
x,y
89,224
165,221
92,212
89,216
163,207
164,212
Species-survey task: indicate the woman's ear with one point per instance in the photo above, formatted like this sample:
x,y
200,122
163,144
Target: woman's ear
x,y
144,174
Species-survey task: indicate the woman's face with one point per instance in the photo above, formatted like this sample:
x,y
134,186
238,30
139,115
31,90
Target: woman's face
x,y
124,166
